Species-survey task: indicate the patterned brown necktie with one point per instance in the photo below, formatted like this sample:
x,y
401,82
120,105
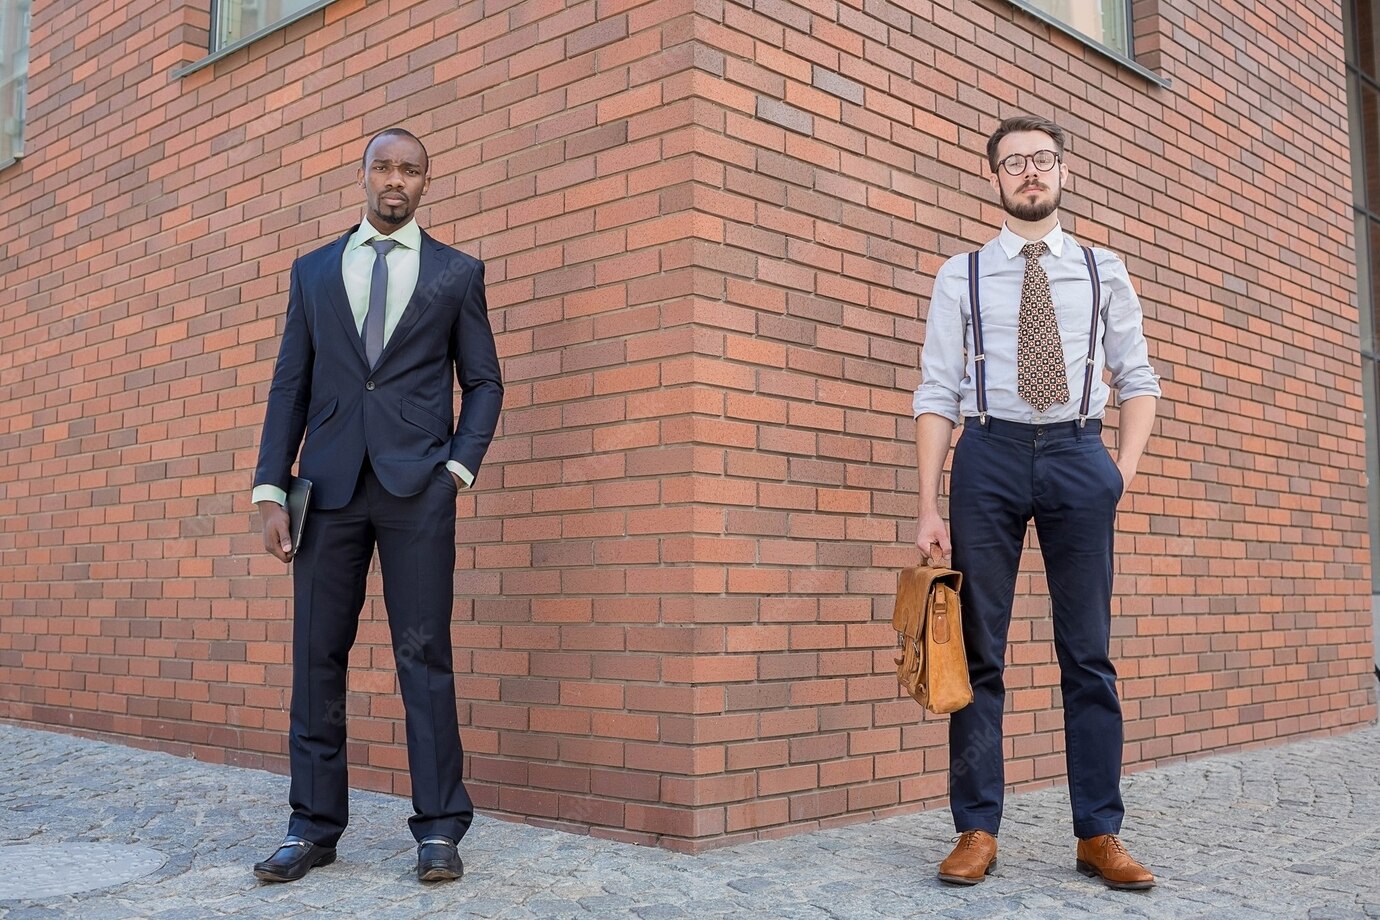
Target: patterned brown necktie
x,y
1041,375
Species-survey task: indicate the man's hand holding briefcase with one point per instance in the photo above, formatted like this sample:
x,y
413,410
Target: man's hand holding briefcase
x,y
932,666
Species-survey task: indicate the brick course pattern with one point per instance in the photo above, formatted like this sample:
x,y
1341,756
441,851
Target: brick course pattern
x,y
711,229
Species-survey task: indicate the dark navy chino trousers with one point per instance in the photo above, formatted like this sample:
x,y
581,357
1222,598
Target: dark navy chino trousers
x,y
1060,475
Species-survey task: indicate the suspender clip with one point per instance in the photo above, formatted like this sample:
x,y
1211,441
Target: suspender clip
x,y
982,419
1082,420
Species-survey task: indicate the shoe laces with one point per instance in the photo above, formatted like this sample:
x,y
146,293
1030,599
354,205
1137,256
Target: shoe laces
x,y
967,839
1114,847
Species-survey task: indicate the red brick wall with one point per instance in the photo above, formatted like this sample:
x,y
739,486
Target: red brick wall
x,y
710,231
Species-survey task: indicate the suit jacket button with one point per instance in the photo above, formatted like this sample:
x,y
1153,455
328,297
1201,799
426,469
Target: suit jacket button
x,y
369,385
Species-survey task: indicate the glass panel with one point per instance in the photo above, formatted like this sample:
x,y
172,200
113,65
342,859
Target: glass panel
x,y
1358,146
1116,31
237,19
1368,298
1369,112
1370,371
1359,26
1368,284
1366,241
1349,30
1103,21
14,70
1364,37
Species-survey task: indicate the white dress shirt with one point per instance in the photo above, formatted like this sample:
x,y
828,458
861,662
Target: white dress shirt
x,y
404,262
948,381
357,269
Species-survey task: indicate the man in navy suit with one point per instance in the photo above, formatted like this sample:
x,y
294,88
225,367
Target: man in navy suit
x,y
380,326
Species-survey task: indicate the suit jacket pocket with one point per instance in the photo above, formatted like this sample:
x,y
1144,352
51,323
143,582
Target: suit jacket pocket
x,y
321,415
424,419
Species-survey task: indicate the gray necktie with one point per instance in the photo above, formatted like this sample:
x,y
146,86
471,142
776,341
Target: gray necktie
x,y
378,301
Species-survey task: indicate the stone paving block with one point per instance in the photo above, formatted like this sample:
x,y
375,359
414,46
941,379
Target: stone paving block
x,y
660,912
1335,913
35,912
754,885
324,897
796,913
185,912
112,910
1283,833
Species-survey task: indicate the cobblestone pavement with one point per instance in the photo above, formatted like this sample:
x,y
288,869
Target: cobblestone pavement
x,y
1292,831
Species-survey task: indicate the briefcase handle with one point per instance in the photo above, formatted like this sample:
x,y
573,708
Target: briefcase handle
x,y
928,558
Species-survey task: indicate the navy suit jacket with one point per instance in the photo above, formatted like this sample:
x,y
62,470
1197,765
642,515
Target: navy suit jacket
x,y
400,413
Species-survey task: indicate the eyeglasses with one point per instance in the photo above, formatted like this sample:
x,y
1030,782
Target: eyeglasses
x,y
1044,161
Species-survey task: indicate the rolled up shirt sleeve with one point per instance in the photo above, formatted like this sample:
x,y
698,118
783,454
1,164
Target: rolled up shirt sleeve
x,y
943,361
1127,355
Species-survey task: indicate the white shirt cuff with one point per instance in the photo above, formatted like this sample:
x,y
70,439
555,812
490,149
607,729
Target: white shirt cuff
x,y
458,468
270,494
274,494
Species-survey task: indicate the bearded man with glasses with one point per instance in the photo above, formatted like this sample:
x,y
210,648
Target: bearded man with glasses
x,y
1017,341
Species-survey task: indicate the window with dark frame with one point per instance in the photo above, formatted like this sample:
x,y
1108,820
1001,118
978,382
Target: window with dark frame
x,y
14,75
1361,28
233,21
1106,22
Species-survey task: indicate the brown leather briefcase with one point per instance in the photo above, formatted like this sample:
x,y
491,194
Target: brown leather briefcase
x,y
929,633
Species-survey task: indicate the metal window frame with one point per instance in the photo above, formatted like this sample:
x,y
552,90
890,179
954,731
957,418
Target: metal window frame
x,y
1366,214
225,51
15,78
1369,208
1124,59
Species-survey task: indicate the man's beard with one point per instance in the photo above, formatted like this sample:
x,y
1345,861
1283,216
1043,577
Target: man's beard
x,y
392,214
1031,213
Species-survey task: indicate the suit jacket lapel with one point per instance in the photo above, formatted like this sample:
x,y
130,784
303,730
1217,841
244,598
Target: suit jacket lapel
x,y
333,283
430,277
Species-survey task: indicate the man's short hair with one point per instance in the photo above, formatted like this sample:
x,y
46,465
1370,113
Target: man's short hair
x,y
1025,123
397,132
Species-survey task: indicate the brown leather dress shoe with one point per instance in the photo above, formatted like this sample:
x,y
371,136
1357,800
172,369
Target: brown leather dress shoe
x,y
1106,858
973,857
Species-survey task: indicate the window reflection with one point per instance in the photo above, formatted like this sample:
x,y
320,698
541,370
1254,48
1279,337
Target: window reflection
x,y
14,71
239,19
1103,21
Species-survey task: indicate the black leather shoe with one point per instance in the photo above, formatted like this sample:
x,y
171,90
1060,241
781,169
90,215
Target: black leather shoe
x,y
293,859
437,860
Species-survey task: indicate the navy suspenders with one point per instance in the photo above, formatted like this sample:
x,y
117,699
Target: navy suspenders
x,y
1092,333
980,355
